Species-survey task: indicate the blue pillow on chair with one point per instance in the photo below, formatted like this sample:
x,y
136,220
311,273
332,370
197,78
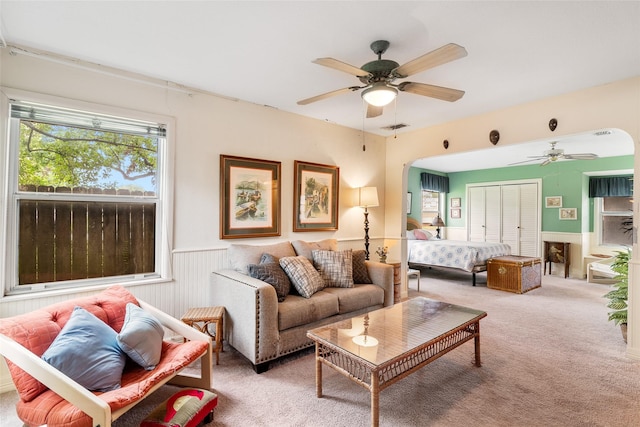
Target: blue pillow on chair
x,y
87,351
141,337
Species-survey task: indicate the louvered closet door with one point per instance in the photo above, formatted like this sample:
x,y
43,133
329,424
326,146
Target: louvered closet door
x,y
520,218
476,209
484,214
493,218
529,227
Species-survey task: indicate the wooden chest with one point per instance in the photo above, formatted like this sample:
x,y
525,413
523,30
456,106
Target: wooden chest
x,y
513,273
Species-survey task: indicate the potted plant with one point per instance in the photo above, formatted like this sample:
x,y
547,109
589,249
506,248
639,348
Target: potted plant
x,y
619,296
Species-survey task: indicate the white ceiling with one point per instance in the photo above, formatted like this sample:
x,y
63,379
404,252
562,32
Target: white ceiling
x,y
261,52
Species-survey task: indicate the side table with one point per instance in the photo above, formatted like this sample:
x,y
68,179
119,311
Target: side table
x,y
207,315
397,280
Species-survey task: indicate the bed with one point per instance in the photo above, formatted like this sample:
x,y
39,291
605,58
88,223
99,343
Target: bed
x,y
455,254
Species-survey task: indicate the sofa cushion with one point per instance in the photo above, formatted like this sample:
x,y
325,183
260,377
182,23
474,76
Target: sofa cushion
x,y
360,270
297,310
273,274
305,248
304,277
87,351
240,256
141,337
335,267
358,297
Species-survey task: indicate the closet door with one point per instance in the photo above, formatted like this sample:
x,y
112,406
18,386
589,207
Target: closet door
x,y
484,214
520,218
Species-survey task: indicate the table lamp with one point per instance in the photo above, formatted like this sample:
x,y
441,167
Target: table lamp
x,y
437,222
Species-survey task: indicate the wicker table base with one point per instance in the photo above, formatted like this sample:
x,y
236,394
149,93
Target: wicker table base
x,y
436,328
206,316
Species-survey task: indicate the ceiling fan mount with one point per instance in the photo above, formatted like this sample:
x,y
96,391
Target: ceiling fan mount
x,y
380,74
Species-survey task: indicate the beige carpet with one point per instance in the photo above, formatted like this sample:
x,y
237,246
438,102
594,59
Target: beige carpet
x,y
550,358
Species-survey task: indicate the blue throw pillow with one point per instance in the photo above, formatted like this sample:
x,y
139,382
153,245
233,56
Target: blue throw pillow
x,y
87,351
141,337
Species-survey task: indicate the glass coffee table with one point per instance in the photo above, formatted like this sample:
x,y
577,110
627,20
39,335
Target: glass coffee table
x,y
379,348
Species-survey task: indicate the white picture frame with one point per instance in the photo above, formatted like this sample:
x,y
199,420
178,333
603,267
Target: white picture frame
x,y
553,202
568,213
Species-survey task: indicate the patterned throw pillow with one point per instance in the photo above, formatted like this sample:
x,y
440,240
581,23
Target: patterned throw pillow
x,y
360,271
303,276
335,267
269,271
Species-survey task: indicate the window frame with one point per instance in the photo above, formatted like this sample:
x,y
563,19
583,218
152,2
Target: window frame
x,y
599,215
10,196
439,210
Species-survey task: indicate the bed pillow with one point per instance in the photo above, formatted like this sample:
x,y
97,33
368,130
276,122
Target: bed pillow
x,y
420,235
411,235
87,351
359,267
269,271
304,277
141,337
335,267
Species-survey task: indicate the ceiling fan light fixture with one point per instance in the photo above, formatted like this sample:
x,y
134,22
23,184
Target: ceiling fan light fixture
x,y
379,94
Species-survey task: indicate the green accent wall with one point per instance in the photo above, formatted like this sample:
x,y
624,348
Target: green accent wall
x,y
566,178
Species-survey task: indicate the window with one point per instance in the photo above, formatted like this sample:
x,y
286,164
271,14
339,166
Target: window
x,y
84,199
430,206
614,220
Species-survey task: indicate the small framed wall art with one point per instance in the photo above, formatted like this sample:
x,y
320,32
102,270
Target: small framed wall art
x,y
455,202
568,213
315,197
249,197
456,213
553,202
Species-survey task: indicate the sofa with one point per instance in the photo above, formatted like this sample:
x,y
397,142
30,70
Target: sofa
x,y
265,320
68,371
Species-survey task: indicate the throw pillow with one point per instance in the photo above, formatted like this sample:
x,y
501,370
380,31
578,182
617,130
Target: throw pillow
x,y
141,337
335,267
87,351
240,256
269,258
269,271
411,235
360,271
304,248
303,276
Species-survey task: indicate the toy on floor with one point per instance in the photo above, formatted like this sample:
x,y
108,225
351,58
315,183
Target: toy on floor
x,y
187,408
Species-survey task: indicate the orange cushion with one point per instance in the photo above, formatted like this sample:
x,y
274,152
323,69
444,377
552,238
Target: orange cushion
x,y
49,408
37,330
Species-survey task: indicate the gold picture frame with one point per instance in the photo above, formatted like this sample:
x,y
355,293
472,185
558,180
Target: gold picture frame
x,y
249,197
315,196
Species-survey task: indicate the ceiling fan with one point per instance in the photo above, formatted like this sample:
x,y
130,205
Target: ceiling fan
x,y
378,77
557,154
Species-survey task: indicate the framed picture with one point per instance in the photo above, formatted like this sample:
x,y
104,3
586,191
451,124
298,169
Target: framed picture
x,y
455,202
455,213
409,195
553,202
249,197
315,197
568,213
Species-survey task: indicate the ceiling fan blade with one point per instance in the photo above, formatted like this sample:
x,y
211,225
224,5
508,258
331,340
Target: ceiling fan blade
x,y
546,162
328,95
439,92
442,55
527,161
341,66
373,111
581,156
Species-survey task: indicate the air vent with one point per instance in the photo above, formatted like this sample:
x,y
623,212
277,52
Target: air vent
x,y
602,132
395,127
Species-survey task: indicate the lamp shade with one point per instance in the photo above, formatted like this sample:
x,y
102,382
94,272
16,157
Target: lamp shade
x,y
367,197
437,221
379,94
